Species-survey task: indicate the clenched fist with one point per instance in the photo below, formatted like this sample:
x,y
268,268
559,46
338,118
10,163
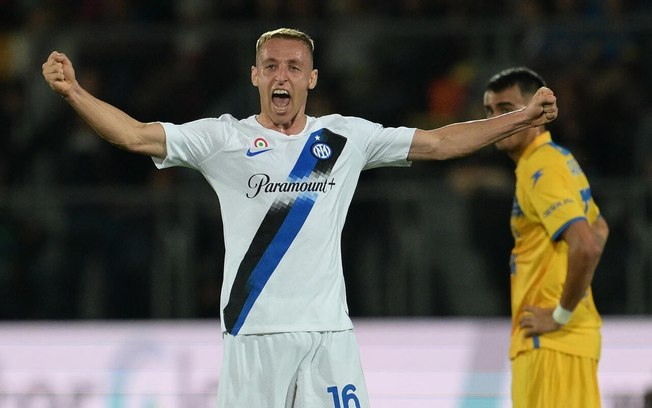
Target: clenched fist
x,y
542,107
59,73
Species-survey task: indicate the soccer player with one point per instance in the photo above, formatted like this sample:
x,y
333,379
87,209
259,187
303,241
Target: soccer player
x,y
285,181
559,237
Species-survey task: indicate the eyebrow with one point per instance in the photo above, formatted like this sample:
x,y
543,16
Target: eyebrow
x,y
291,61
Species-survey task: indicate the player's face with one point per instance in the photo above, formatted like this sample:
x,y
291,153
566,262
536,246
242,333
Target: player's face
x,y
507,100
283,75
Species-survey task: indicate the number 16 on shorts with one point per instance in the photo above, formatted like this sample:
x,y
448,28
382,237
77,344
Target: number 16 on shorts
x,y
345,398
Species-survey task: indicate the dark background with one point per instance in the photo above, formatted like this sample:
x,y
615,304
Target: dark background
x,y
90,232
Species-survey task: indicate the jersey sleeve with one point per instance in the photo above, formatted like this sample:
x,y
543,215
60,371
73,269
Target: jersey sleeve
x,y
190,144
554,196
383,146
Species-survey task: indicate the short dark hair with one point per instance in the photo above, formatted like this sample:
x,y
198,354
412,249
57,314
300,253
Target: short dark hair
x,y
526,79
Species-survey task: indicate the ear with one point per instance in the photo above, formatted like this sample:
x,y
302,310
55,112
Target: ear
x,y
254,75
312,83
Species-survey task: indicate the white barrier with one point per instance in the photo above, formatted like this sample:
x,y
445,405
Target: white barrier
x,y
408,363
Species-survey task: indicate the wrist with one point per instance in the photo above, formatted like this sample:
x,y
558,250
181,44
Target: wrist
x,y
561,315
72,93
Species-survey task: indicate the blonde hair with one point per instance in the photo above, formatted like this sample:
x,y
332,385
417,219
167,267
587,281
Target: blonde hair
x,y
286,33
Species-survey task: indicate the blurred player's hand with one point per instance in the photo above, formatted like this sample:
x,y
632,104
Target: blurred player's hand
x,y
537,320
542,107
59,73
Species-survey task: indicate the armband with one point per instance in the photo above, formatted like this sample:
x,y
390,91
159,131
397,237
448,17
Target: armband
x,y
561,315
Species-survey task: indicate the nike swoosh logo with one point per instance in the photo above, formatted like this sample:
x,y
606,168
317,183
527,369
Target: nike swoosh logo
x,y
256,153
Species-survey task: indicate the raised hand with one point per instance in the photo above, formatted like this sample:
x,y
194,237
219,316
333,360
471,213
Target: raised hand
x,y
542,107
59,73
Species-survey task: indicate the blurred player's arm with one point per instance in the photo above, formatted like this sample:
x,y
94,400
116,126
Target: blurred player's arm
x,y
461,139
110,123
585,246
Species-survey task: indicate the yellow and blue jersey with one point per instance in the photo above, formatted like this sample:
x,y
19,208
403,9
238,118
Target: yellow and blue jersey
x,y
552,192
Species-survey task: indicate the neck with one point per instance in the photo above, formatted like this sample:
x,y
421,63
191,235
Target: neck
x,y
291,127
516,154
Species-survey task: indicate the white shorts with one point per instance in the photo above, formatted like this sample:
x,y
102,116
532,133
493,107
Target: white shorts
x,y
296,369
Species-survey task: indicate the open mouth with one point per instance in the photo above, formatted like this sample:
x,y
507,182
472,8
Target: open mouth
x,y
280,98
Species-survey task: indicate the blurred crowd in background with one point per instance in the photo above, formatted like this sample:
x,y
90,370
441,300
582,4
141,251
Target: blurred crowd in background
x,y
79,237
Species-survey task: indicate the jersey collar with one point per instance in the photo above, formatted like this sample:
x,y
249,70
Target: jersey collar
x,y
540,140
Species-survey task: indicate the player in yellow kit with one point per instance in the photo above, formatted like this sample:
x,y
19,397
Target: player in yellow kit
x,y
559,236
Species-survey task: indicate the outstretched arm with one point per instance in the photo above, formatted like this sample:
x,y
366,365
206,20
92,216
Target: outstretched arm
x,y
461,139
110,123
585,245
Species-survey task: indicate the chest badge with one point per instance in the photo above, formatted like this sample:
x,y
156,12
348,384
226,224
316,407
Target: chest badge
x,y
321,151
260,145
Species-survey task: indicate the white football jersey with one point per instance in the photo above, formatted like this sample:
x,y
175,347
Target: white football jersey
x,y
284,200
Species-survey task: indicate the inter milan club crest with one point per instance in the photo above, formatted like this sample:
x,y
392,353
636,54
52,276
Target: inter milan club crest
x,y
321,150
